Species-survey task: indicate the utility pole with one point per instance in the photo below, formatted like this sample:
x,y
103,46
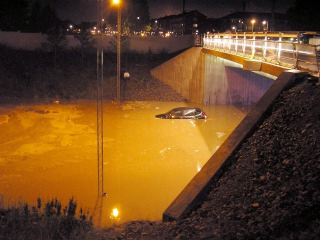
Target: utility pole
x,y
119,54
184,6
273,8
100,98
184,17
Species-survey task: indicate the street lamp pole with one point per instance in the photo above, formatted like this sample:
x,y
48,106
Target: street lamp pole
x,y
253,22
265,22
117,2
100,99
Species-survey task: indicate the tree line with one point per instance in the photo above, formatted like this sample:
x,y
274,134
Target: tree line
x,y
16,16
19,15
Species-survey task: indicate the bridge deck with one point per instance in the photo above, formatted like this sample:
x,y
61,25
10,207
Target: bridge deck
x,y
282,49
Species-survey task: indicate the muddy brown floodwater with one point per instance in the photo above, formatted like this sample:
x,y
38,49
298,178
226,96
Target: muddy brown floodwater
x,y
50,151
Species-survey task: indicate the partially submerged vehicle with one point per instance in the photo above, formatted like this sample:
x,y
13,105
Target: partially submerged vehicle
x,y
183,113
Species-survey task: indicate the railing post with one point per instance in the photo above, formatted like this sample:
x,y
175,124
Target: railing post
x,y
265,46
244,44
236,47
317,52
296,53
279,48
253,45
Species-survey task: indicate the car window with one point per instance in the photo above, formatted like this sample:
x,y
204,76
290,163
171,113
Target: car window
x,y
198,111
189,112
176,113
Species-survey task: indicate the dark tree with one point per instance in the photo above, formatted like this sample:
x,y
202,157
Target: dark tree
x,y
13,15
49,18
304,15
57,40
86,43
138,14
35,18
42,18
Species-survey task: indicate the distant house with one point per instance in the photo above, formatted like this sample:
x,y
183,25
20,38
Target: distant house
x,y
194,22
181,24
243,22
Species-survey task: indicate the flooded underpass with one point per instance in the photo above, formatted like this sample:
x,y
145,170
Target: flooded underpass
x,y
50,151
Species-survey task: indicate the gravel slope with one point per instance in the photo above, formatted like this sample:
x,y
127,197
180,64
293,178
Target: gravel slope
x,y
270,192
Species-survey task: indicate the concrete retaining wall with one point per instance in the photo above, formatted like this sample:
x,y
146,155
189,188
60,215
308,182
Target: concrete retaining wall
x,y
27,41
203,78
185,74
155,44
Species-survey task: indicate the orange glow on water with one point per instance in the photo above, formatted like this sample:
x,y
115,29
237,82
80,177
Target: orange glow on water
x,y
49,151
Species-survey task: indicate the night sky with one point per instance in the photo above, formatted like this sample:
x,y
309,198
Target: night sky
x,y
85,10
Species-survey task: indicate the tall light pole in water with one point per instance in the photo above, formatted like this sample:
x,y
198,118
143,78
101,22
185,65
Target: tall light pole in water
x,y
117,2
100,98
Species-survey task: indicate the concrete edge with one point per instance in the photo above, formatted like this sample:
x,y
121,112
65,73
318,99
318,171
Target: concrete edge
x,y
212,170
266,67
225,55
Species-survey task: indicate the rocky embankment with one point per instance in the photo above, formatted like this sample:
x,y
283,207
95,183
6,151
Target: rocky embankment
x,y
270,192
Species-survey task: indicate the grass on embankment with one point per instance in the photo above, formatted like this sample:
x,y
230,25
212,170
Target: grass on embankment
x,y
50,220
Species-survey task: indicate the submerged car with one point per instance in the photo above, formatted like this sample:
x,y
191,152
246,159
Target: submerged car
x,y
183,113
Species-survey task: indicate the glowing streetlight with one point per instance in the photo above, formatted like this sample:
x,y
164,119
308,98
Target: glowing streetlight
x,y
117,2
253,22
265,22
115,212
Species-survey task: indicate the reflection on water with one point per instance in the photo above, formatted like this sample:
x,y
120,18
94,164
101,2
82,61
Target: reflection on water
x,y
50,151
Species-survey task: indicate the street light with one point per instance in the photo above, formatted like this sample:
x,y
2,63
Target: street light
x,y
253,22
117,2
100,98
265,22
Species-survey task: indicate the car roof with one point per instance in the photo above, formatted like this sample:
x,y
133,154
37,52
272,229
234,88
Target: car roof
x,y
184,108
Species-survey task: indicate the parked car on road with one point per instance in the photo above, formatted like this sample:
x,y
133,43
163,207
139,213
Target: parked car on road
x,y
183,113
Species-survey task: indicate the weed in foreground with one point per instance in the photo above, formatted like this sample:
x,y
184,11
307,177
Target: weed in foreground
x,y
44,221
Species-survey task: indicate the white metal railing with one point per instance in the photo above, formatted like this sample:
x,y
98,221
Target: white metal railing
x,y
275,47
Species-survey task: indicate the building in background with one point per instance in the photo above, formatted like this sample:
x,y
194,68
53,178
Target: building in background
x,y
195,22
257,22
181,24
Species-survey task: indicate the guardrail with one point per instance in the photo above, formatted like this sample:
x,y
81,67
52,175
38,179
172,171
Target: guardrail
x,y
275,47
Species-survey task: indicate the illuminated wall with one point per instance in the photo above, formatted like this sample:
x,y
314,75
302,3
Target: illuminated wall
x,y
206,79
226,83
